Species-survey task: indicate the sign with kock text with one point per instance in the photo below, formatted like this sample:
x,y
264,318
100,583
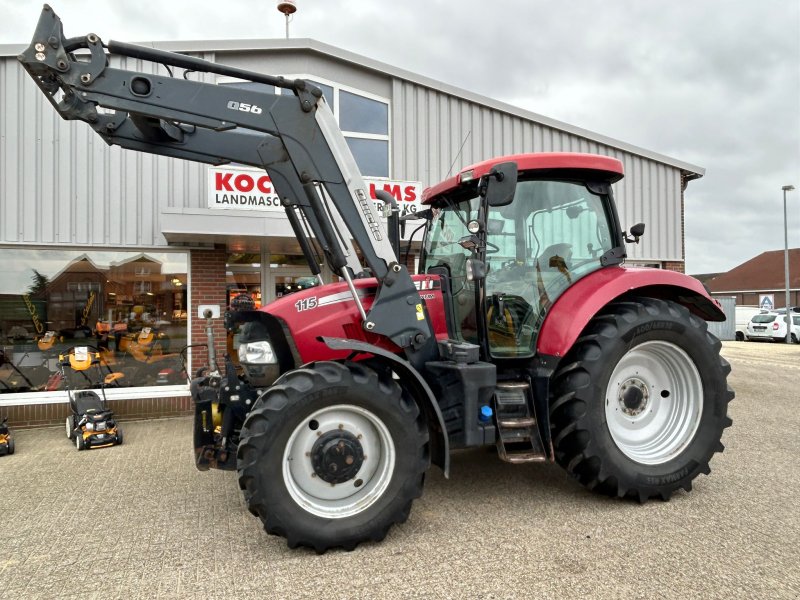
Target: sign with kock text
x,y
242,188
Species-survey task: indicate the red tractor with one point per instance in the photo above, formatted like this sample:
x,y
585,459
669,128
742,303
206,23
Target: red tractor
x,y
522,330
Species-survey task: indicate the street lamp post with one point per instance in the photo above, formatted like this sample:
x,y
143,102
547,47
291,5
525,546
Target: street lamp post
x,y
786,188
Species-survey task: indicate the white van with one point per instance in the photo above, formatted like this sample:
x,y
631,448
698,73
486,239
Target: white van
x,y
743,316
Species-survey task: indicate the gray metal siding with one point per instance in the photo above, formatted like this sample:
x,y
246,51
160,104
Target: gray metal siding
x,y
725,330
429,128
61,184
309,63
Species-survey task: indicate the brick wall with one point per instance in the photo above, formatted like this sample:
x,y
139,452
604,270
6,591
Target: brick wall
x,y
207,287
678,266
40,415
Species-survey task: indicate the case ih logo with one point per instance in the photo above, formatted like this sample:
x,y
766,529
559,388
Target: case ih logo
x,y
250,189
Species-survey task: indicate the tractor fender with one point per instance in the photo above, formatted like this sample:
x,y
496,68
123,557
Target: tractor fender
x,y
573,310
412,380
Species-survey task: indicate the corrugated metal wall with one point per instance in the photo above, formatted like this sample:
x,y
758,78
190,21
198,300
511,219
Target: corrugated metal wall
x,y
429,128
61,184
725,330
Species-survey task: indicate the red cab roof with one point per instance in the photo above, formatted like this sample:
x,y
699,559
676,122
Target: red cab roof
x,y
611,168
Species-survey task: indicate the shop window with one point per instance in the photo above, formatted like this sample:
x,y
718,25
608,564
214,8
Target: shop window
x,y
289,284
130,307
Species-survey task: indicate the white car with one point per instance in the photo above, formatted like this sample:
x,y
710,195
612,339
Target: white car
x,y
743,316
771,327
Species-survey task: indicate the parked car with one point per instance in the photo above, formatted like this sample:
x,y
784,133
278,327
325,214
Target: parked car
x,y
743,316
771,327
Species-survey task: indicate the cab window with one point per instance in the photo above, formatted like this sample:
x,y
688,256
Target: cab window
x,y
551,235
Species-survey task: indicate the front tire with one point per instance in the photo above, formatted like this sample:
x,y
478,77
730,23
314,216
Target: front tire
x,y
640,402
11,446
333,455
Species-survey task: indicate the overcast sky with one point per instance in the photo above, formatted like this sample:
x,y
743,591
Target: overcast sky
x,y
715,83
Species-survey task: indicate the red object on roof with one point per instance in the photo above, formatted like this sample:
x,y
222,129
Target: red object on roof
x,y
611,167
762,273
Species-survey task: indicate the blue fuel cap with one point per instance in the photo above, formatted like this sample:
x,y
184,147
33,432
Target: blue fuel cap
x,y
486,414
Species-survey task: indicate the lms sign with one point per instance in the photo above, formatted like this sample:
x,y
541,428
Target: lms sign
x,y
239,188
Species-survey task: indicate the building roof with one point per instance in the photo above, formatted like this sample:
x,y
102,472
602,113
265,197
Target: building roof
x,y
307,44
706,277
764,273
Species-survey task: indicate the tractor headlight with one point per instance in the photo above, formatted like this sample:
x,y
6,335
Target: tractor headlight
x,y
257,353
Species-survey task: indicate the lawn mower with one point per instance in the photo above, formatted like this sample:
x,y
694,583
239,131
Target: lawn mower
x,y
90,423
6,442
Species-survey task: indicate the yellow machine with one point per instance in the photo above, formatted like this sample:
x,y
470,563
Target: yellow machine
x,y
91,423
6,442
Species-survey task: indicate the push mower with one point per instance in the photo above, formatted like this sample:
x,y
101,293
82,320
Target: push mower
x,y
6,443
91,423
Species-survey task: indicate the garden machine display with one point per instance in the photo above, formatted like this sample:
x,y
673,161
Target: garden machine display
x,y
523,329
91,423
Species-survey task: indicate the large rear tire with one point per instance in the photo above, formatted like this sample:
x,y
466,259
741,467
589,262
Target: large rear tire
x,y
333,455
639,404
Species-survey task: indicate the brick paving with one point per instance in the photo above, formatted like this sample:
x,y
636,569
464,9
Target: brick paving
x,y
138,521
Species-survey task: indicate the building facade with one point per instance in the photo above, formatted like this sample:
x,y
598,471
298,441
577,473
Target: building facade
x,y
761,281
119,250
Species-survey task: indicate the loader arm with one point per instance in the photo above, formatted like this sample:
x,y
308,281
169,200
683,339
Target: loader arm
x,y
295,138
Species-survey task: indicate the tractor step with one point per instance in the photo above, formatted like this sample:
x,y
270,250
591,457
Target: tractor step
x,y
517,423
518,439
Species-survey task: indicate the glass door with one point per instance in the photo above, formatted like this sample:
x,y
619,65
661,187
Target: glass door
x,y
243,279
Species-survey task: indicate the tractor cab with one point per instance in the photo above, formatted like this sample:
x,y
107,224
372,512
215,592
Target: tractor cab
x,y
509,236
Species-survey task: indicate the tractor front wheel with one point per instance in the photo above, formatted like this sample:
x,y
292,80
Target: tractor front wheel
x,y
333,455
640,403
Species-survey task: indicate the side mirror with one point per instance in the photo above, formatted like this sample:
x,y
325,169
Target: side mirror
x,y
501,184
637,231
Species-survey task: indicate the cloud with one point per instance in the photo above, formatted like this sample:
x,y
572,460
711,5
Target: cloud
x,y
712,83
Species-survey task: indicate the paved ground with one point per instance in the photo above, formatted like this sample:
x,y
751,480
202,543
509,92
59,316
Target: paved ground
x,y
138,521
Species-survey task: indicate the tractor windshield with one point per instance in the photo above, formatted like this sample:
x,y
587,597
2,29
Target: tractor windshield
x,y
551,235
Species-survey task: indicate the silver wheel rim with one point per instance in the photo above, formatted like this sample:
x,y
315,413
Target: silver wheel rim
x,y
69,428
341,500
653,402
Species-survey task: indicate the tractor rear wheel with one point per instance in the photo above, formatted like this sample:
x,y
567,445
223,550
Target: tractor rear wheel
x,y
640,403
333,455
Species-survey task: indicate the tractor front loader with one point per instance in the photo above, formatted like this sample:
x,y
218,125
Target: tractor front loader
x,y
522,330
